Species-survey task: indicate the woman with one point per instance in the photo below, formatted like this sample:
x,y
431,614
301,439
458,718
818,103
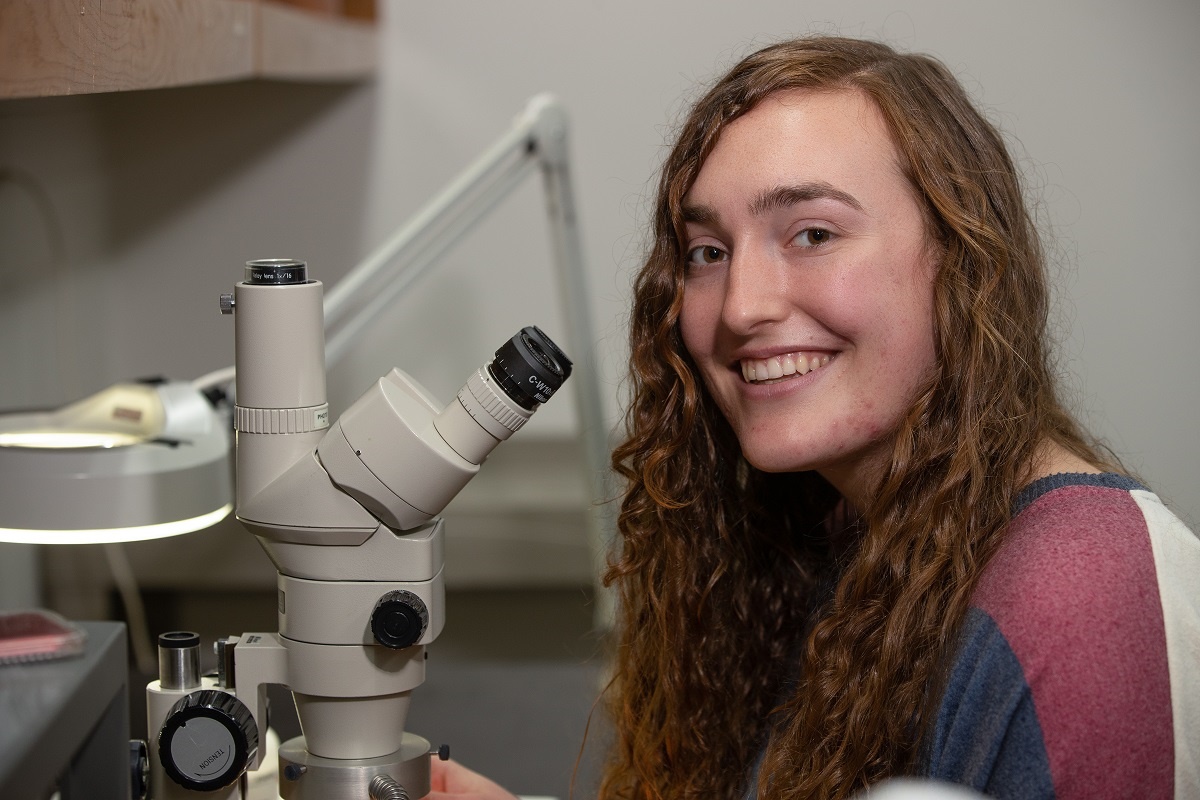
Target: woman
x,y
861,536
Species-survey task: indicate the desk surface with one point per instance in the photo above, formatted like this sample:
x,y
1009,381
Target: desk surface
x,y
61,721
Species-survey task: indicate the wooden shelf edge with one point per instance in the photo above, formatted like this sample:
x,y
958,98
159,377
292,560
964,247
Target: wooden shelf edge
x,y
298,45
67,47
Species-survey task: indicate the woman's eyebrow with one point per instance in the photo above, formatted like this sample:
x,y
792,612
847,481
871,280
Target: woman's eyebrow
x,y
700,214
785,196
773,199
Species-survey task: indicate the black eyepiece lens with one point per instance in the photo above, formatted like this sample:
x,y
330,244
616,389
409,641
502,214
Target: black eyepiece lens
x,y
530,368
546,349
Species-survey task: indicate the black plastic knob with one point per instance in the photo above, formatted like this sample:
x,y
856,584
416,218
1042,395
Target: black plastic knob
x,y
207,741
139,769
399,620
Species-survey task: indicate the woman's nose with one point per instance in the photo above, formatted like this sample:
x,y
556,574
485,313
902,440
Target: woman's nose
x,y
756,293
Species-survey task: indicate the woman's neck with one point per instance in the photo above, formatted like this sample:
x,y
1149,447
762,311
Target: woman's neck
x,y
1053,459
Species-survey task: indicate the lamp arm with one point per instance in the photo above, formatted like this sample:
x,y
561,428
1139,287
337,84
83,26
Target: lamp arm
x,y
552,136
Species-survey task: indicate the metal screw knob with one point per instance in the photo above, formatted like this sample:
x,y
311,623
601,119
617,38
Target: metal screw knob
x,y
383,787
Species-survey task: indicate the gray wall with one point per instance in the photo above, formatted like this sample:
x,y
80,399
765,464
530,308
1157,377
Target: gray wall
x,y
123,217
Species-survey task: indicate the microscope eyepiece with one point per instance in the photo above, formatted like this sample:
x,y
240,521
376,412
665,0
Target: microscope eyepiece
x,y
497,400
530,368
276,272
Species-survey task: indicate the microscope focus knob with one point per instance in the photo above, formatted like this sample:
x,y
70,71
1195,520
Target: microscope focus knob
x,y
208,740
399,620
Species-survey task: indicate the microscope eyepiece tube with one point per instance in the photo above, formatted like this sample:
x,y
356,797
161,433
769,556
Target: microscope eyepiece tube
x,y
499,399
179,660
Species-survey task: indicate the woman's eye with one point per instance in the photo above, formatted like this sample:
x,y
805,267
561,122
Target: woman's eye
x,y
813,237
705,254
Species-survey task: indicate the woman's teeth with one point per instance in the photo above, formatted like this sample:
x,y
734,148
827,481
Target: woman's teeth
x,y
764,370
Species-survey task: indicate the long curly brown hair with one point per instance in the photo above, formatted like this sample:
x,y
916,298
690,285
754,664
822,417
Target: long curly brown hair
x,y
742,631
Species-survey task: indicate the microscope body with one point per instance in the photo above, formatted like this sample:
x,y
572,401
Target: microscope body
x,y
347,512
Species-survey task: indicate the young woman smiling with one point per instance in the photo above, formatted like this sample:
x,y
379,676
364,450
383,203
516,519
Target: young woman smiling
x,y
861,536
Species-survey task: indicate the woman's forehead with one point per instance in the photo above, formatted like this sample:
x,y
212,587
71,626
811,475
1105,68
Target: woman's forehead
x,y
833,138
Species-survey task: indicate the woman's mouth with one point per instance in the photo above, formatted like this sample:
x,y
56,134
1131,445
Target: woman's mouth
x,y
777,368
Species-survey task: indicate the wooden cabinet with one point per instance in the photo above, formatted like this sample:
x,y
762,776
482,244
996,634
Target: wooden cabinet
x,y
63,47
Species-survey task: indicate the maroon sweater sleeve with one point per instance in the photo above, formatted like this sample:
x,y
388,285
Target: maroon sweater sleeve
x,y
1073,592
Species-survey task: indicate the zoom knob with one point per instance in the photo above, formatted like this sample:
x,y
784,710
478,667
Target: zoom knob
x,y
208,740
399,620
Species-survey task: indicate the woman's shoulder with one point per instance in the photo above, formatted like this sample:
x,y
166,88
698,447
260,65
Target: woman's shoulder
x,y
1085,548
1087,614
1090,582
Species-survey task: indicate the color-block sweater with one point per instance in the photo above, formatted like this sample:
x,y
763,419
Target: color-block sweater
x,y
1078,670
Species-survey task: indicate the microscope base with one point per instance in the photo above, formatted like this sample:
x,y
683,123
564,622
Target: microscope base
x,y
303,776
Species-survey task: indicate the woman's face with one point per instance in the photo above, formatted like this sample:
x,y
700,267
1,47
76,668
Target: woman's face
x,y
808,299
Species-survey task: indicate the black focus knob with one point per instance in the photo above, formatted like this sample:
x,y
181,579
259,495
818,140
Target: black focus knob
x,y
208,740
399,619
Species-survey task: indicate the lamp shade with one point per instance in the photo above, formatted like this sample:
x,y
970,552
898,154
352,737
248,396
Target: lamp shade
x,y
134,461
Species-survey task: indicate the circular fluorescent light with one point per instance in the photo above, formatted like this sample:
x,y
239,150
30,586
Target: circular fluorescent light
x,y
68,439
139,533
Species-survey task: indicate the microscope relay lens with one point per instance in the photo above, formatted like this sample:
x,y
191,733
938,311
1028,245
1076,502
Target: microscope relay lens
x,y
530,368
276,272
